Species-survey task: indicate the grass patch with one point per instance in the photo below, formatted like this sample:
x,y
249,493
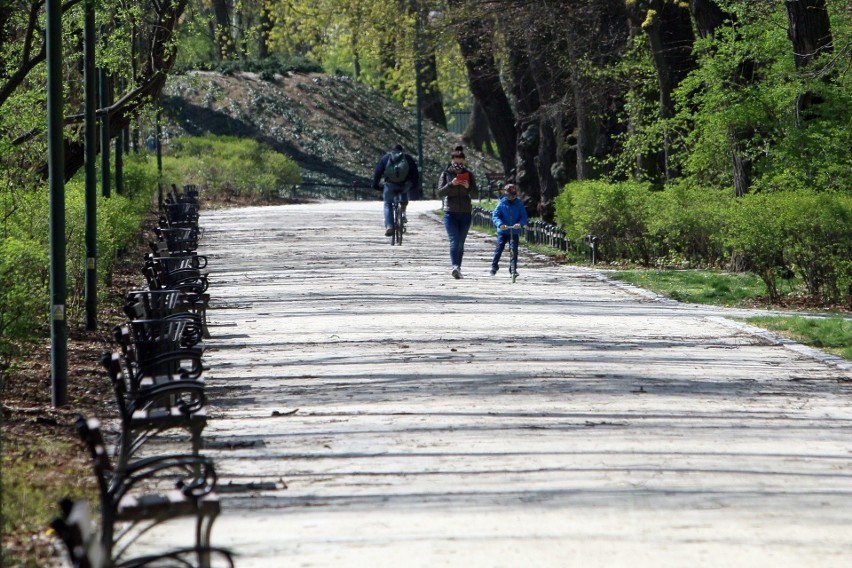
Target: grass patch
x,y
713,287
833,335
32,483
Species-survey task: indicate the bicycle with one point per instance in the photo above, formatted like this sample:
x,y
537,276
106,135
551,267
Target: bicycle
x,y
398,219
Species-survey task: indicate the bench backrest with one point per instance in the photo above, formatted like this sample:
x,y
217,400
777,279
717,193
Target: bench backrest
x,y
81,539
90,432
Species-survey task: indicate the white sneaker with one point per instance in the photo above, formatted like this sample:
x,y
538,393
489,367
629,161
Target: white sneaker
x,y
456,273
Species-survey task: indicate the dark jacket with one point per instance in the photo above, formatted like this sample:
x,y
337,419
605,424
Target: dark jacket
x,y
457,198
411,180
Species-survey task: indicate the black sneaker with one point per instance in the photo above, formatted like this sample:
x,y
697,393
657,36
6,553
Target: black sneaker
x,y
389,232
456,273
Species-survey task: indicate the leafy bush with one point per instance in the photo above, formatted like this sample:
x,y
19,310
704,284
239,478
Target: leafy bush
x,y
687,223
756,231
818,243
230,167
617,214
24,247
24,270
279,64
775,235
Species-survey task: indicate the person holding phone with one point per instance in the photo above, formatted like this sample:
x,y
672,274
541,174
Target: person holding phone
x,y
456,187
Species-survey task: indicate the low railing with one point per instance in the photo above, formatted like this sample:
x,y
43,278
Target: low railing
x,y
547,234
339,192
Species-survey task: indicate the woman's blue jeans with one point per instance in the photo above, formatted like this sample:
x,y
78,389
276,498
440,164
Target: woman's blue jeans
x,y
457,226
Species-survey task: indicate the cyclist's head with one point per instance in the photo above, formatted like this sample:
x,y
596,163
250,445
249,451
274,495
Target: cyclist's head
x,y
397,148
511,191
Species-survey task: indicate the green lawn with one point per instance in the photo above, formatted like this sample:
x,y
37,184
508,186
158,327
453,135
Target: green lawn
x,y
696,286
718,288
833,335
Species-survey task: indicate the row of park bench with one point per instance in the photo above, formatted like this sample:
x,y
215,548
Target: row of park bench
x,y
156,373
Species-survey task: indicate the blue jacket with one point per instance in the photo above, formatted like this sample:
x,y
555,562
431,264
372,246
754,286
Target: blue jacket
x,y
509,213
413,175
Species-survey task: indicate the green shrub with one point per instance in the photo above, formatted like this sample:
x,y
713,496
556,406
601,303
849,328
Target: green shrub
x,y
617,213
686,224
24,247
24,280
756,231
818,244
279,64
230,167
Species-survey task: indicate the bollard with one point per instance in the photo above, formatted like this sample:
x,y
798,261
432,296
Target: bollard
x,y
593,242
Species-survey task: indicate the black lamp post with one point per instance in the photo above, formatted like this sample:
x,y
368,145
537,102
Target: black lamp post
x,y
418,90
56,172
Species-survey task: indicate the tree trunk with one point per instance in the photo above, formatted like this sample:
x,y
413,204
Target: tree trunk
x,y
527,104
668,27
476,42
478,134
548,128
224,42
708,18
809,30
581,114
432,100
264,31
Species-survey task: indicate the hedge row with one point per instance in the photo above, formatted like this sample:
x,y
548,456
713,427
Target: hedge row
x,y
24,248
772,234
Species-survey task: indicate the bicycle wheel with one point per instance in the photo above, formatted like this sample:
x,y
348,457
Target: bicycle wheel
x,y
397,224
394,207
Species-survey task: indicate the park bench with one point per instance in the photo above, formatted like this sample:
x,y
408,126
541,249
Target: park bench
x,y
129,508
85,548
154,408
152,350
178,273
494,182
179,213
178,240
169,304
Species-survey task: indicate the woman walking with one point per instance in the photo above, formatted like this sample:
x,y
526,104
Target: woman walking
x,y
456,186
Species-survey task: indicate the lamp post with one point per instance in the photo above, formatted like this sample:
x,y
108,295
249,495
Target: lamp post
x,y
56,172
90,79
418,91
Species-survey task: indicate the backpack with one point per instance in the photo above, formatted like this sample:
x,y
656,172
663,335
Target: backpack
x,y
396,170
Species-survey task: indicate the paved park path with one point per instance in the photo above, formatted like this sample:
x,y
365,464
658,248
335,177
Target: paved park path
x,y
369,410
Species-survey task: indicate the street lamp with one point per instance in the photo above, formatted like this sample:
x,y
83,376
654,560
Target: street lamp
x,y
418,90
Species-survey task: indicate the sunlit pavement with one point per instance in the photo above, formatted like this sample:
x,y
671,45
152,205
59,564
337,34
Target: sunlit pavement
x,y
370,410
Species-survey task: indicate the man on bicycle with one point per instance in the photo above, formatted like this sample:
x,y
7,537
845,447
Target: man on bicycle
x,y
400,173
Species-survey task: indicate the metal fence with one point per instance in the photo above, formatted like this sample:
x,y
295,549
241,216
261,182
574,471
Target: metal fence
x,y
548,234
340,192
459,119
